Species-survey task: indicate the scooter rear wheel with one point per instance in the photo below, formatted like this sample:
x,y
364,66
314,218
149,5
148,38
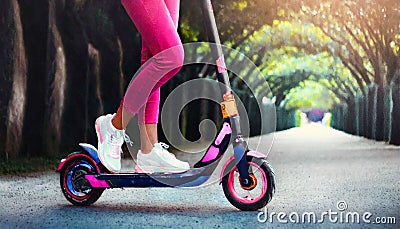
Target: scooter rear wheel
x,y
255,198
74,186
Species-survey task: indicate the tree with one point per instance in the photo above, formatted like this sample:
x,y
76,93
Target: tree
x,y
236,20
366,39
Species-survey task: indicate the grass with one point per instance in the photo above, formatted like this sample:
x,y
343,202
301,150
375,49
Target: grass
x,y
21,166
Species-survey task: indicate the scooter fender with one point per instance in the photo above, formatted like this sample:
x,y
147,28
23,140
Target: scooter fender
x,y
230,163
90,152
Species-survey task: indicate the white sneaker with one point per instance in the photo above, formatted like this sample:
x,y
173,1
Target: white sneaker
x,y
159,160
110,141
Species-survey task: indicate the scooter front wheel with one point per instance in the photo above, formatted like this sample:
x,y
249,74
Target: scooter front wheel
x,y
256,197
74,186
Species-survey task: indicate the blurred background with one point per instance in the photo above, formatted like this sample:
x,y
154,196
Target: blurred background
x,y
63,63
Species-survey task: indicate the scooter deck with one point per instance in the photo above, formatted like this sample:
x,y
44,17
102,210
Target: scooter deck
x,y
192,177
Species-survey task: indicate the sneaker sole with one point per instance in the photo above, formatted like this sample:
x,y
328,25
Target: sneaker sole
x,y
158,169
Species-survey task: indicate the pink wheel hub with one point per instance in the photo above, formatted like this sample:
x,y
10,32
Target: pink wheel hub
x,y
246,199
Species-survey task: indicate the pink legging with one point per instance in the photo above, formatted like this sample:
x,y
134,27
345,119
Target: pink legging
x,y
162,54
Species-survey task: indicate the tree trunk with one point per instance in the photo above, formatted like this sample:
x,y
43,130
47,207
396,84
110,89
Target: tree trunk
x,y
13,79
359,115
371,111
7,36
75,44
380,114
34,17
55,85
351,117
387,115
395,113
94,100
366,123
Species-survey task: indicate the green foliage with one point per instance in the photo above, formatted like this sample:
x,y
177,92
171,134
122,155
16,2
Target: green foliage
x,y
309,94
235,19
328,119
187,32
294,49
343,45
28,165
288,53
364,34
298,118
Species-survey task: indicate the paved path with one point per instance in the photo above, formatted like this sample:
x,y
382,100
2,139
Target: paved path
x,y
316,168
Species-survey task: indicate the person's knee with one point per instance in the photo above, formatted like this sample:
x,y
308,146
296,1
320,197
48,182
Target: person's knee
x,y
177,56
171,58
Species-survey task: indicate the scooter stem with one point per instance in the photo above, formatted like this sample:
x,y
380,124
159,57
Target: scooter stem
x,y
229,108
213,36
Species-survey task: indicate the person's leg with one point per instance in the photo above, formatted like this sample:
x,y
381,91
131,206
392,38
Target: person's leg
x,y
159,34
148,119
148,137
148,114
154,23
155,27
116,121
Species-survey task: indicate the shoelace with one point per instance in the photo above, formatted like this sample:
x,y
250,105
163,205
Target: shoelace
x,y
115,138
165,146
128,139
167,153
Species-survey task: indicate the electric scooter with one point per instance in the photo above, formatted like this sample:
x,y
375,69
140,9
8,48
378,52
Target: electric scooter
x,y
247,179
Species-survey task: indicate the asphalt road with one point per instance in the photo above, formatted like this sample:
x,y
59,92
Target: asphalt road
x,y
316,168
